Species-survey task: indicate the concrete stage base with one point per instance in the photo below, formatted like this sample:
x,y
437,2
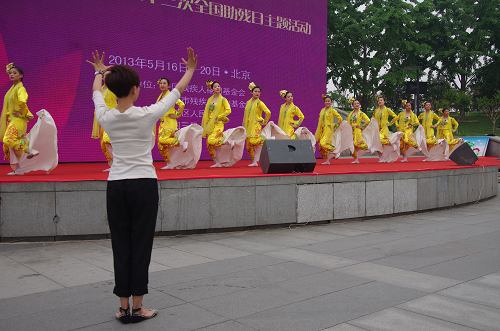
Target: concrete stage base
x,y
56,210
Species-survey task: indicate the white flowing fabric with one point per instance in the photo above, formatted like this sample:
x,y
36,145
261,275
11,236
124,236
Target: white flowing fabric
x,y
438,152
186,158
303,133
419,136
42,138
371,135
272,131
232,149
391,152
342,140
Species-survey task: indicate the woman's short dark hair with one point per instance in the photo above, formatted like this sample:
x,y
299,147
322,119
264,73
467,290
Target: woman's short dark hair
x,y
121,79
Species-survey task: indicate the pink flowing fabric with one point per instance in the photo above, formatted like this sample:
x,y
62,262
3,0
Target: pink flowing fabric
x,y
187,154
232,149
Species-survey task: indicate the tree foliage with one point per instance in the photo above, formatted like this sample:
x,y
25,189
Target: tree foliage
x,y
376,46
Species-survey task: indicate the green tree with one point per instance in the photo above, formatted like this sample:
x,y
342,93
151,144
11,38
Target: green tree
x,y
491,108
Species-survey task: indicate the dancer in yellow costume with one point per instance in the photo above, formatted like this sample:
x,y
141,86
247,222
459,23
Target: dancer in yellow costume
x,y
168,123
15,117
329,120
358,121
253,123
382,114
406,122
99,133
290,115
215,116
429,119
447,126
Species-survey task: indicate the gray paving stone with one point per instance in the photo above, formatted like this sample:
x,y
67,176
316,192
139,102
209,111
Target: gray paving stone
x,y
17,279
474,293
185,209
210,250
238,281
194,272
399,277
466,268
247,245
349,200
397,319
227,209
492,280
183,317
243,303
276,204
330,247
344,327
314,203
227,326
405,195
311,258
379,198
316,313
448,309
72,316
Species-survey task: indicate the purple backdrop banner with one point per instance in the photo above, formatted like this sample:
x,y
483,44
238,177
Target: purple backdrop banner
x,y
278,44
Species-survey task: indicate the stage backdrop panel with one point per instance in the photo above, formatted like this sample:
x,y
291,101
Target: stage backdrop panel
x,y
278,44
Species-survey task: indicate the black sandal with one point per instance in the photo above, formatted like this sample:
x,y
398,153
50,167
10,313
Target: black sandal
x,y
124,315
137,317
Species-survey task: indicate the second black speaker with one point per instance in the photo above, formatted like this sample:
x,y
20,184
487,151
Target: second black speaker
x,y
285,156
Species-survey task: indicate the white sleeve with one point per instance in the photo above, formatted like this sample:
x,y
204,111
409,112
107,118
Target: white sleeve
x,y
159,109
99,104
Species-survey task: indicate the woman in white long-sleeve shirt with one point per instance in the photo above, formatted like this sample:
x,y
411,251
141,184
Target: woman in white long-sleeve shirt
x,y
132,191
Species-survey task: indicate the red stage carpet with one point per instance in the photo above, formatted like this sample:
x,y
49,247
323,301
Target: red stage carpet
x,y
75,172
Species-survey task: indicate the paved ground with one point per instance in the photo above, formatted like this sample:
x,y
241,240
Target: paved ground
x,y
431,271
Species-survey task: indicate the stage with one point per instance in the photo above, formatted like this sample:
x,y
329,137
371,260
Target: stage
x,y
70,202
76,172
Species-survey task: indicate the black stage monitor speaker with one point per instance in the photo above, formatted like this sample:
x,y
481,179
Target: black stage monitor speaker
x,y
463,155
285,156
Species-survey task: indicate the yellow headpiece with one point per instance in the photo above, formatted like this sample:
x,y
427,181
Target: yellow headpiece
x,y
283,93
9,66
209,83
251,86
404,102
351,100
324,96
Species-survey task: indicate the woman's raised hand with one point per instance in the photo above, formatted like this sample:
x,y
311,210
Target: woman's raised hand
x,y
98,61
192,60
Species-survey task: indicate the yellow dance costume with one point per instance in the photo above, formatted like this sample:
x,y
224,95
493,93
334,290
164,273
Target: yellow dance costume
x,y
406,123
382,116
290,118
168,127
358,122
448,126
14,120
326,128
253,123
428,120
214,117
98,132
